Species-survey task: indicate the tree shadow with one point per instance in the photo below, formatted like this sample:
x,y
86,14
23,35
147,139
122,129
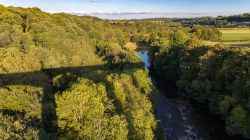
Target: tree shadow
x,y
49,126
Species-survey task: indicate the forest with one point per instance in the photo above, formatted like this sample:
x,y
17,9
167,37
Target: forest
x,y
234,21
79,77
69,77
215,77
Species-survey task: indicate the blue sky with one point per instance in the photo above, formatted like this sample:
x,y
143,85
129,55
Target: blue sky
x,y
156,6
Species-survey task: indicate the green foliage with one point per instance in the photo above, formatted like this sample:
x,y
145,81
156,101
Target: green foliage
x,y
54,78
214,76
165,61
135,106
116,57
206,33
238,122
5,39
233,21
143,82
62,81
13,125
20,109
76,78
82,113
178,38
13,60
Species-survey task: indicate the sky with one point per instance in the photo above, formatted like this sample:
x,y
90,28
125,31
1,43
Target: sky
x,y
136,6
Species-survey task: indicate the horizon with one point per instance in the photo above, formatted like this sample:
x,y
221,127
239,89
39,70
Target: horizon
x,y
144,15
111,9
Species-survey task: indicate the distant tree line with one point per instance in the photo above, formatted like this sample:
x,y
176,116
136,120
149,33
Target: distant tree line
x,y
236,21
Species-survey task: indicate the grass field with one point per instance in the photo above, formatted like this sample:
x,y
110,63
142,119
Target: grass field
x,y
237,37
230,43
235,34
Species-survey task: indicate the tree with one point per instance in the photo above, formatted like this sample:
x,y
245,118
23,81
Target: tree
x,y
82,110
238,122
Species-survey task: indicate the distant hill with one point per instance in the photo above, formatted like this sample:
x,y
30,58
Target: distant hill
x,y
234,21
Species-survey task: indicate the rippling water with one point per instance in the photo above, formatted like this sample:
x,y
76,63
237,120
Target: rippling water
x,y
175,115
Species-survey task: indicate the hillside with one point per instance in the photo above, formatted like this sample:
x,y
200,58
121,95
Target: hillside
x,y
73,77
69,77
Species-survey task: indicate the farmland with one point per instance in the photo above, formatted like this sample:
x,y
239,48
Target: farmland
x,y
235,34
238,37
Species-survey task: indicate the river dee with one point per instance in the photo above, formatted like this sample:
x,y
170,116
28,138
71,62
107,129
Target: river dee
x,y
178,118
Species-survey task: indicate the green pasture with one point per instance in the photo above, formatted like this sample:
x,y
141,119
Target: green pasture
x,y
235,34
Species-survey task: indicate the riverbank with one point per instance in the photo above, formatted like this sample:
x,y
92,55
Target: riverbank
x,y
197,122
180,118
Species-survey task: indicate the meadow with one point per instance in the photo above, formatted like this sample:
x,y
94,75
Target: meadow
x,y
238,37
235,34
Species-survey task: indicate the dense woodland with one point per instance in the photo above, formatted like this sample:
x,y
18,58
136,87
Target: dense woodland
x,y
216,77
236,21
70,77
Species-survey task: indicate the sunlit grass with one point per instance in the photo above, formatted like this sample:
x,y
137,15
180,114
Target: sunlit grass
x,y
235,34
230,43
233,37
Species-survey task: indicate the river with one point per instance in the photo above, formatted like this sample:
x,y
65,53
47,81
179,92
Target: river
x,y
179,119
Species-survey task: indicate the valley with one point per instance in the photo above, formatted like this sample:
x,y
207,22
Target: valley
x,y
64,76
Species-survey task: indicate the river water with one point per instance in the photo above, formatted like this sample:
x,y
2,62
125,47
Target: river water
x,y
178,118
